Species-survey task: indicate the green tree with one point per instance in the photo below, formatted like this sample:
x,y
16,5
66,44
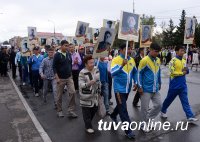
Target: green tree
x,y
148,20
179,34
197,35
169,35
5,42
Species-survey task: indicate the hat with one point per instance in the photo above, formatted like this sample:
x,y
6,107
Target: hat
x,y
36,48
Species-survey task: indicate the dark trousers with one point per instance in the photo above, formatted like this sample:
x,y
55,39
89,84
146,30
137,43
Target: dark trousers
x,y
136,98
25,74
4,69
121,109
13,71
183,96
110,85
30,76
20,70
88,115
37,81
75,74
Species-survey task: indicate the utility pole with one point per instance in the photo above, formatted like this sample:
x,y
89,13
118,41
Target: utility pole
x,y
133,6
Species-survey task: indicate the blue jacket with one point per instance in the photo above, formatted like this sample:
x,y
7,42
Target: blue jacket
x,y
103,71
123,76
35,61
149,74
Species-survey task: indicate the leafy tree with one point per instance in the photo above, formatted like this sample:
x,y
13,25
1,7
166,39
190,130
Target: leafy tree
x,y
179,34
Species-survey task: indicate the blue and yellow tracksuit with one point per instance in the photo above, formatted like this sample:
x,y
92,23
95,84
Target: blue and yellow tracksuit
x,y
123,76
177,86
149,74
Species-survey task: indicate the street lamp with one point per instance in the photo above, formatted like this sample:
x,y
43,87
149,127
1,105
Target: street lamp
x,y
53,28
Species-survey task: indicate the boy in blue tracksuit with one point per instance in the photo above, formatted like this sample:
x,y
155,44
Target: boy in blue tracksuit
x,y
177,85
35,62
123,72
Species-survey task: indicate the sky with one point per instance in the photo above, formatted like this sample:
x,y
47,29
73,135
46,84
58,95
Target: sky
x,y
17,15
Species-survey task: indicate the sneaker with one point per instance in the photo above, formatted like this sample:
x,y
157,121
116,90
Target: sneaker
x,y
192,119
130,135
72,114
60,114
36,95
163,115
90,131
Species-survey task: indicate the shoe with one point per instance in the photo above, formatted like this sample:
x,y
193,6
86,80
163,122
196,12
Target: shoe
x,y
131,135
113,118
72,114
23,83
90,131
163,115
36,95
60,114
192,119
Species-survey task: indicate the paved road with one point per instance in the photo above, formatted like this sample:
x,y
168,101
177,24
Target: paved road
x,y
15,123
72,130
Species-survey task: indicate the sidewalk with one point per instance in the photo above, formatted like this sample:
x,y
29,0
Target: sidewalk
x,y
15,123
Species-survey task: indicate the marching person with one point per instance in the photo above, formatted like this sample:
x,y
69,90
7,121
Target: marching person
x,y
137,61
18,63
62,67
76,62
123,72
47,74
102,66
89,89
149,82
35,60
177,85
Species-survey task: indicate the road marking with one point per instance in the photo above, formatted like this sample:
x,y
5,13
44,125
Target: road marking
x,y
37,124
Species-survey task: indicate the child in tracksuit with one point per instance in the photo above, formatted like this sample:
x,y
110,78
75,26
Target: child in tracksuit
x,y
177,85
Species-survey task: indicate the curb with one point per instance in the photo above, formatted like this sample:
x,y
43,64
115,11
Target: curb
x,y
37,124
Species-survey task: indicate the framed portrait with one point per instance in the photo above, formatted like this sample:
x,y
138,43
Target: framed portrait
x,y
95,34
189,30
145,35
43,41
32,33
129,26
104,43
108,23
82,29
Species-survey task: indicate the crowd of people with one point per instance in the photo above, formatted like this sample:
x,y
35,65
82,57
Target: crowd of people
x,y
77,73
